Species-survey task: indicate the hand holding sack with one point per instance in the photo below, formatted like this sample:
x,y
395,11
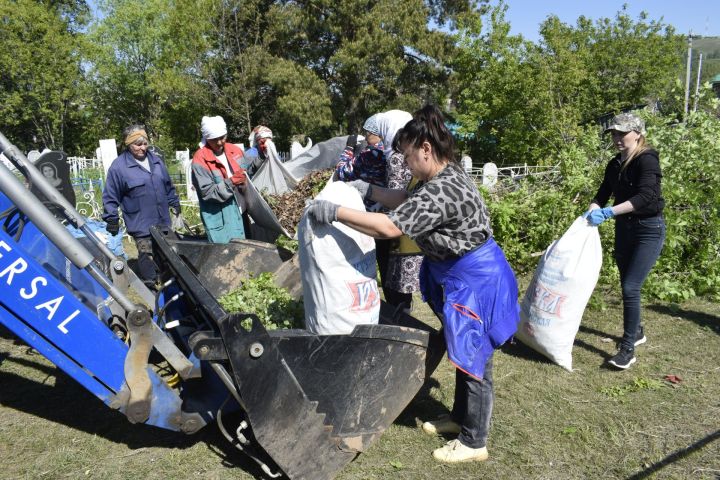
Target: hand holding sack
x,y
363,187
337,265
239,178
322,211
599,215
177,222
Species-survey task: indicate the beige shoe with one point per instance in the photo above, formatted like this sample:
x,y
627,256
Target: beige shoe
x,y
454,452
444,424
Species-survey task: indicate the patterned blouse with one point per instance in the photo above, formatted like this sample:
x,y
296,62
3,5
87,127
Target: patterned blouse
x,y
403,272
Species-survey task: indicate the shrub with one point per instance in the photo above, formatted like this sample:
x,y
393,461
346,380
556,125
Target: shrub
x,y
529,215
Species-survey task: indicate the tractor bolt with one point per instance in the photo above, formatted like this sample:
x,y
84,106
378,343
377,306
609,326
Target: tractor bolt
x,y
118,266
203,350
138,319
256,349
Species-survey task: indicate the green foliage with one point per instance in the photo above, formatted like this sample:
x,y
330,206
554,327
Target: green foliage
x,y
40,83
532,213
273,305
137,77
287,243
519,102
637,385
690,159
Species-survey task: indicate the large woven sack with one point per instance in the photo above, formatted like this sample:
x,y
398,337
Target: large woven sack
x,y
554,303
338,269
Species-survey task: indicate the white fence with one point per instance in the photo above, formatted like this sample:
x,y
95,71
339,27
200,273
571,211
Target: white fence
x,y
77,164
493,175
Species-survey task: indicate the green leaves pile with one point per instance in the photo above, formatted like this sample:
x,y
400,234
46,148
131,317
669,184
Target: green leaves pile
x,y
273,305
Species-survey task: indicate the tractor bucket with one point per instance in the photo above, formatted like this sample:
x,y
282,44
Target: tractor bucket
x,y
223,267
313,402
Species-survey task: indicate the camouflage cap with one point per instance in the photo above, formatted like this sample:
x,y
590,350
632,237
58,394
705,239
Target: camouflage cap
x,y
627,122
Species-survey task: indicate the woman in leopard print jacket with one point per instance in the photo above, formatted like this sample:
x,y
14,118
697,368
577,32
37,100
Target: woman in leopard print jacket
x,y
464,277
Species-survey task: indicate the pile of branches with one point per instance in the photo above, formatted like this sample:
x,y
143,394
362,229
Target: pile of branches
x,y
289,206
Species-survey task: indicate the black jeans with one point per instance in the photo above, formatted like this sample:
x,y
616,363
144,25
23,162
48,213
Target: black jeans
x,y
638,242
147,270
473,406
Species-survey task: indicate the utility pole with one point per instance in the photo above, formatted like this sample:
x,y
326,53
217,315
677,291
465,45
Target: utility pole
x,y
687,76
697,84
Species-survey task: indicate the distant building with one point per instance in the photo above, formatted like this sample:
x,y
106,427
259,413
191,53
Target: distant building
x,y
715,82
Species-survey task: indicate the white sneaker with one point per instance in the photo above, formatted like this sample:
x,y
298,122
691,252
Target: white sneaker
x,y
454,452
444,424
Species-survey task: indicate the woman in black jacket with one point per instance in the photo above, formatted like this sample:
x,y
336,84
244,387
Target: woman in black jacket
x,y
633,178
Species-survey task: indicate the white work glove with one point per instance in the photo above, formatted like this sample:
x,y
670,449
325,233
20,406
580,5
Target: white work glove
x,y
177,222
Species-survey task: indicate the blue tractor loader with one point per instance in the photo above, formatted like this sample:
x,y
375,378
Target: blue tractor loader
x,y
304,405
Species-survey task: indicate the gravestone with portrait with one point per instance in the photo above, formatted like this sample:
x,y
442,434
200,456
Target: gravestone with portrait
x,y
55,168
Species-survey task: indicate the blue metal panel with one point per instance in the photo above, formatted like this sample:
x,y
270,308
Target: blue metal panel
x,y
43,303
29,336
49,303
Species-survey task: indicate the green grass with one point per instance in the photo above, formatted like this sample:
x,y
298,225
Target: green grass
x,y
548,423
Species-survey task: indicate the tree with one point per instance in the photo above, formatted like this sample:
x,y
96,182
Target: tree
x,y
136,75
317,68
40,74
521,102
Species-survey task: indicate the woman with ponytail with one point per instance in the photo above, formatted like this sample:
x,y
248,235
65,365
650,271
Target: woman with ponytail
x,y
464,277
633,178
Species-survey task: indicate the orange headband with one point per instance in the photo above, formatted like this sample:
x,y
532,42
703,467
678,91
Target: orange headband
x,y
135,136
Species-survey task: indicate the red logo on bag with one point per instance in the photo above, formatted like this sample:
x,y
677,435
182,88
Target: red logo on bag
x,y
365,295
547,300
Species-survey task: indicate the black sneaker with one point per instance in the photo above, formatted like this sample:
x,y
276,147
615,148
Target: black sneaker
x,y
624,358
640,338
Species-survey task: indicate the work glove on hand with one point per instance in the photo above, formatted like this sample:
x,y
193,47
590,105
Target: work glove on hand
x,y
363,187
112,227
239,177
599,215
322,211
177,222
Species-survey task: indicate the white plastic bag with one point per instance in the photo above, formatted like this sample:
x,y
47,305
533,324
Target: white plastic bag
x,y
560,289
338,269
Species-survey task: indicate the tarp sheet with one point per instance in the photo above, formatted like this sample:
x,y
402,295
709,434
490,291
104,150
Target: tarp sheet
x,y
276,177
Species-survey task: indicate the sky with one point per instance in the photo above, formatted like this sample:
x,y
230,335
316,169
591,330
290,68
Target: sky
x,y
700,16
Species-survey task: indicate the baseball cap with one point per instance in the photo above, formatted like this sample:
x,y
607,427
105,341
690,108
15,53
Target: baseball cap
x,y
627,122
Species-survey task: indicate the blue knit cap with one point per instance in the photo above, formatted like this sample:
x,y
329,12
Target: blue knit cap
x,y
372,125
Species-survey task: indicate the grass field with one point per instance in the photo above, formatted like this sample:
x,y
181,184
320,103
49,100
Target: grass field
x,y
548,423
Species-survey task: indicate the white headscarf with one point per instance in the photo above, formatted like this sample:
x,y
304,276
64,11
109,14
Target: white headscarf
x,y
389,123
212,127
257,133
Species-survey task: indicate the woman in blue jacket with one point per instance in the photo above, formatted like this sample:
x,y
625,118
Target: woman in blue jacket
x,y
138,183
464,277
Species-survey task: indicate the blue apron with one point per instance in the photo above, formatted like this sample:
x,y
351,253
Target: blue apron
x,y
476,296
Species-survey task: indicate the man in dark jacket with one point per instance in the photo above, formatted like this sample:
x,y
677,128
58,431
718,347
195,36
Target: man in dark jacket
x,y
139,184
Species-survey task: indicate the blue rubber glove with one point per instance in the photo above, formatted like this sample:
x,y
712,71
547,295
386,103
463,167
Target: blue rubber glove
x,y
599,215
363,187
322,211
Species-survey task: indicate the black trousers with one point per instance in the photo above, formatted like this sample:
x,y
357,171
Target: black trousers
x,y
147,269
